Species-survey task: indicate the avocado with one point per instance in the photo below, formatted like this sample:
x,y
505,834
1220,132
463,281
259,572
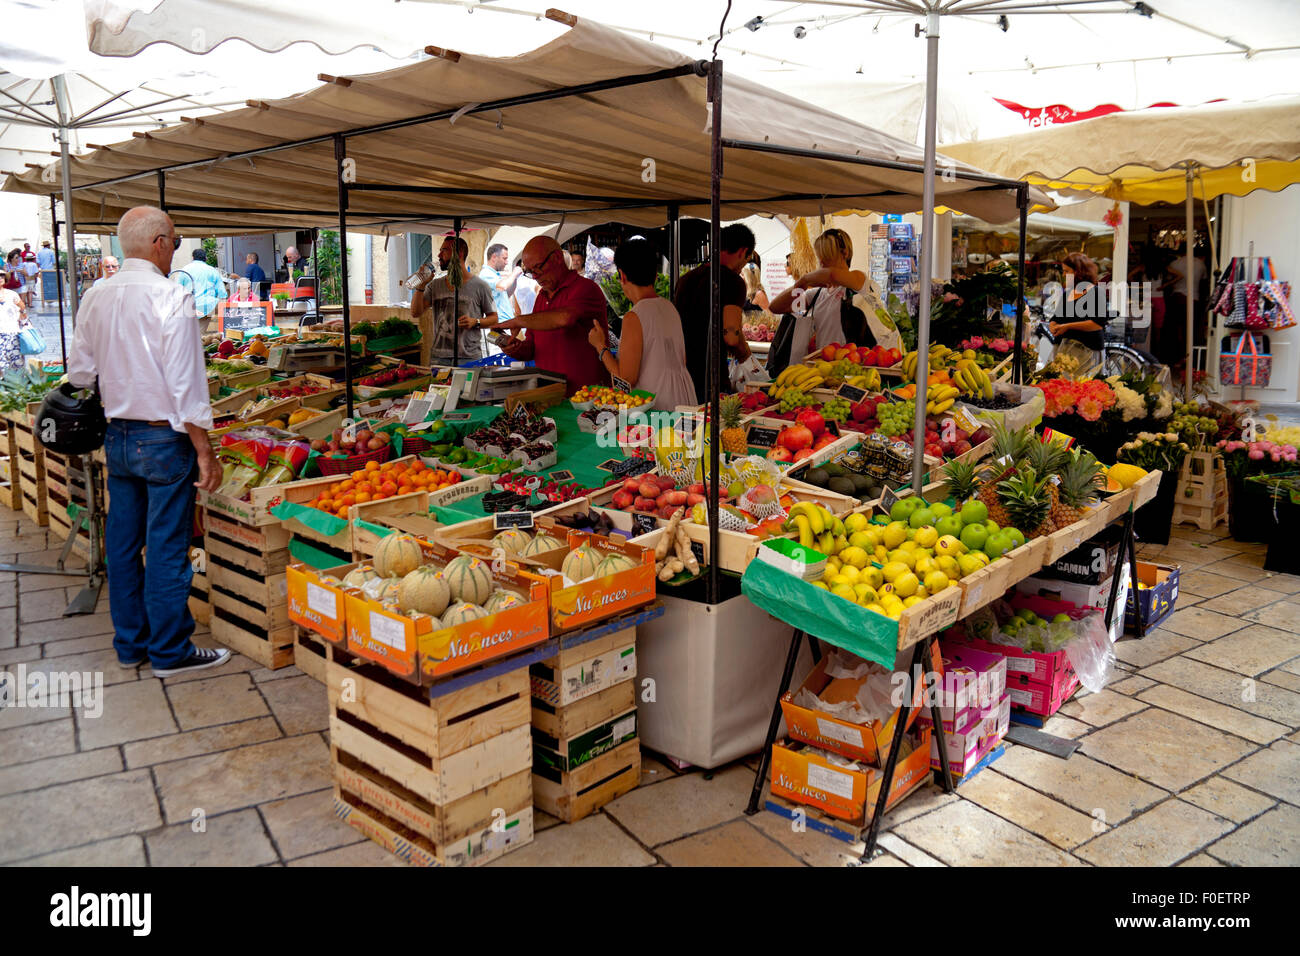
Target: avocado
x,y
861,483
841,486
818,477
833,470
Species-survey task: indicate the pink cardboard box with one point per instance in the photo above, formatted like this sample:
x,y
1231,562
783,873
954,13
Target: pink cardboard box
x,y
1037,697
974,680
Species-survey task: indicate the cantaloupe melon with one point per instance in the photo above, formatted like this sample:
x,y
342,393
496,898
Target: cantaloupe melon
x,y
501,600
425,591
462,613
540,544
330,580
512,540
376,588
397,556
581,563
357,577
612,564
468,579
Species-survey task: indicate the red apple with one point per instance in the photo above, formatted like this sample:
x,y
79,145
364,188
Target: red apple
x,y
934,450
812,421
961,447
648,489
795,437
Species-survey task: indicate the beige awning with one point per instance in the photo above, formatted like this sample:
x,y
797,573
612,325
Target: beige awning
x,y
579,158
1234,148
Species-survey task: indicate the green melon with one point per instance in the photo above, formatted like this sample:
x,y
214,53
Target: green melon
x,y
512,540
462,613
425,591
398,555
468,579
376,588
612,564
581,563
540,544
501,600
358,577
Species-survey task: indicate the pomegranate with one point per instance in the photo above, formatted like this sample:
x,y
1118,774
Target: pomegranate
x,y
795,437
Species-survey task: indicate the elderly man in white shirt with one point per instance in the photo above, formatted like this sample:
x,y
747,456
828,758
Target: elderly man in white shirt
x,y
138,334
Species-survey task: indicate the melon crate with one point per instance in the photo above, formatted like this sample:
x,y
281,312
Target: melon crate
x,y
441,776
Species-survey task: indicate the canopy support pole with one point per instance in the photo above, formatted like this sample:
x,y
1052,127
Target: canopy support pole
x,y
927,250
162,190
1190,280
712,376
65,172
340,150
58,281
315,270
1022,201
674,247
455,295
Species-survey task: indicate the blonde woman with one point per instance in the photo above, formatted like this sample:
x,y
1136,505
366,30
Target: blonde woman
x,y
755,295
814,307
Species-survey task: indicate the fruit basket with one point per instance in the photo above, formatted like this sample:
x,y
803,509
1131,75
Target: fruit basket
x,y
343,466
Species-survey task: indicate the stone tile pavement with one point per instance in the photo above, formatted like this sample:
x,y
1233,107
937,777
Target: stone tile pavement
x,y
1190,757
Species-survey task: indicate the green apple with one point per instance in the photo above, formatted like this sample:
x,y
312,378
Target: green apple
x,y
921,517
974,512
992,526
1061,618
974,536
941,509
949,524
997,544
1015,535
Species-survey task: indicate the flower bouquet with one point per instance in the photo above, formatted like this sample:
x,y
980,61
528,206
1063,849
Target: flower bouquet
x,y
1163,451
1249,508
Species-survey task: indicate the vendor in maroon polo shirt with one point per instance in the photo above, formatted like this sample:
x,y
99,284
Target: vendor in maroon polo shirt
x,y
567,306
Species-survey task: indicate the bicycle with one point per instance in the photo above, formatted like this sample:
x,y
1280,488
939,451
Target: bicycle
x,y
1116,357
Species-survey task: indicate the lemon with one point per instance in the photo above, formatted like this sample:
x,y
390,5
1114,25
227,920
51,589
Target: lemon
x,y
922,593
895,534
877,608
820,584
909,601
872,576
936,581
926,536
856,522
855,557
906,584
906,557
909,546
866,593
839,580
894,570
949,566
861,539
968,563
832,565
924,565
949,545
844,591
850,574
886,590
881,555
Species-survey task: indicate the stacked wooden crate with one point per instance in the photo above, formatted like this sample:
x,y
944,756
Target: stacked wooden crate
x,y
28,457
1202,495
247,588
586,751
10,495
439,775
65,485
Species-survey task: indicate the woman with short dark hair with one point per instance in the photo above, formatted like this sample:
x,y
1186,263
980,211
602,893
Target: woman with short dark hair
x,y
1082,310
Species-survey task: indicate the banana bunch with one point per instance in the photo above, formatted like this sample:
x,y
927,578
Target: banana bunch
x,y
868,380
817,527
801,377
940,398
973,380
939,355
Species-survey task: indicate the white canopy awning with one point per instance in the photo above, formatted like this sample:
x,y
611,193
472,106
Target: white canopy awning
x,y
624,152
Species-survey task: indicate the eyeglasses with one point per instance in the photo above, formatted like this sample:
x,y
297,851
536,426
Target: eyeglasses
x,y
176,241
532,273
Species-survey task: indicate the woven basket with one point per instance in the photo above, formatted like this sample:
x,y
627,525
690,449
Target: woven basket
x,y
415,446
345,466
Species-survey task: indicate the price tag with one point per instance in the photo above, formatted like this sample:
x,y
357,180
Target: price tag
x,y
457,416
610,465
388,631
561,475
697,548
512,519
833,427
643,524
417,411
762,437
888,498
964,421
277,357
349,430
852,393
619,384
633,466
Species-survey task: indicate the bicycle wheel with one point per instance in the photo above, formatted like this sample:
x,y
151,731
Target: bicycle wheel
x,y
1120,359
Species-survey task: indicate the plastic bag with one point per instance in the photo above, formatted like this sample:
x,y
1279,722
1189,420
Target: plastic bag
x,y
284,462
243,458
1092,653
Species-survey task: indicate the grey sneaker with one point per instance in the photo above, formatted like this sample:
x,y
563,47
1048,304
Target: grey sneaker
x,y
202,657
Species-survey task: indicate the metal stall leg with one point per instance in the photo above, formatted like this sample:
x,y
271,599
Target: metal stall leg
x,y
340,147
765,759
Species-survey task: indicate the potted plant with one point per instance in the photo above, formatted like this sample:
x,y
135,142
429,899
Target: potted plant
x,y
1250,513
1164,451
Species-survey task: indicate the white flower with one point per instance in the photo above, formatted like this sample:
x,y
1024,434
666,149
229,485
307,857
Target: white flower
x,y
1170,436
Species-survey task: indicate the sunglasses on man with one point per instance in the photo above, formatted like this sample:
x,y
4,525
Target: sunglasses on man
x,y
176,241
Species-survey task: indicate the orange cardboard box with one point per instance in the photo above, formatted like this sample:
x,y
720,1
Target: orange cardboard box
x,y
600,598
804,775
414,650
316,604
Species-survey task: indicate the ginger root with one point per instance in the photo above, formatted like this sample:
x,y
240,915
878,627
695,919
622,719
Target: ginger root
x,y
671,568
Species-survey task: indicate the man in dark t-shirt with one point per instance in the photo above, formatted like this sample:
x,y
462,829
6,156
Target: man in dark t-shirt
x,y
691,299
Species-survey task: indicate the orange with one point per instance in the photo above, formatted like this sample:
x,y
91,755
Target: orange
x,y
343,513
326,505
372,466
348,499
357,476
388,489
363,497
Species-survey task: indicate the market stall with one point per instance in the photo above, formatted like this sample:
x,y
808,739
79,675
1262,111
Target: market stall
x,y
465,559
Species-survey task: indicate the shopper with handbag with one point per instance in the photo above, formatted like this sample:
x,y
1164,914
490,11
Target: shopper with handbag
x,y
13,315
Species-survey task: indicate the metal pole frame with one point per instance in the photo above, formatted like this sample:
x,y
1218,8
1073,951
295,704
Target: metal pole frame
x,y
65,172
927,251
674,247
340,153
455,304
58,280
1189,241
713,376
1022,200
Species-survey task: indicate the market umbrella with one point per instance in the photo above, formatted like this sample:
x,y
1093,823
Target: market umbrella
x,y
1160,155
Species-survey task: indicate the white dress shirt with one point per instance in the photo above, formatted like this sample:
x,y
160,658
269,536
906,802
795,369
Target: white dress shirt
x,y
138,333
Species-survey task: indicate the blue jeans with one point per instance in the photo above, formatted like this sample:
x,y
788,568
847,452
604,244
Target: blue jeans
x,y
151,476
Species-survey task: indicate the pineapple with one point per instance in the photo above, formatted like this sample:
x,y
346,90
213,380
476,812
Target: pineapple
x,y
1049,460
733,433
1007,443
963,480
1026,501
1081,479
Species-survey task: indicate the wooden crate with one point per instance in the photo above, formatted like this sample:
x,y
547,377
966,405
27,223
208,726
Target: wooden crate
x,y
309,654
581,792
1202,495
31,484
248,591
200,602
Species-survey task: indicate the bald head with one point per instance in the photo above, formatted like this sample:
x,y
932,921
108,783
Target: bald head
x,y
543,259
140,228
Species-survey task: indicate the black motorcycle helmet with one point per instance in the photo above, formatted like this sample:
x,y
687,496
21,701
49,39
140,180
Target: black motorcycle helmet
x,y
71,421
